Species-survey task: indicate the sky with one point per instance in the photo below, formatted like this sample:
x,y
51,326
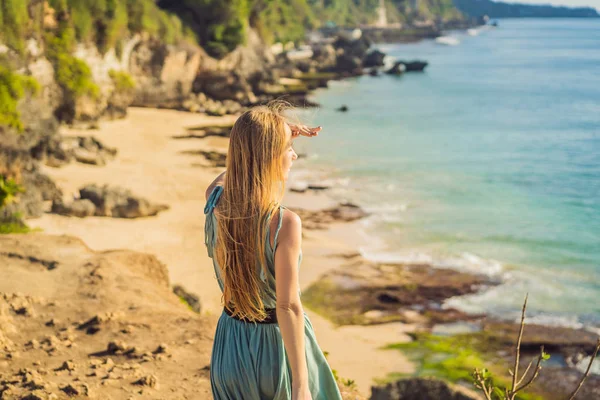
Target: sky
x,y
568,3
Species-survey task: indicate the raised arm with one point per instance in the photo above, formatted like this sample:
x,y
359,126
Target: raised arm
x,y
290,314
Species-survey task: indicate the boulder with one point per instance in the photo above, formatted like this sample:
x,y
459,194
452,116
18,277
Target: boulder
x,y
225,86
374,59
348,63
397,69
324,55
355,47
109,201
78,208
414,66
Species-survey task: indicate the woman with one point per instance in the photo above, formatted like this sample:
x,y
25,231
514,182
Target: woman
x,y
265,346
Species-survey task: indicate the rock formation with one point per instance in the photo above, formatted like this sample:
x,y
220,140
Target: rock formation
x,y
74,322
108,201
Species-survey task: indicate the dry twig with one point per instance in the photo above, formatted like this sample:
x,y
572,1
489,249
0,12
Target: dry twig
x,y
515,374
587,371
483,381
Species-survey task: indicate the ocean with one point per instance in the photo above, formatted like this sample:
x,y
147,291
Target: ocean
x,y
489,161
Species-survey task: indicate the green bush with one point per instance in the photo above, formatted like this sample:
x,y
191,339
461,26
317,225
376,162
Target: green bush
x,y
10,223
145,16
14,19
12,88
219,26
75,76
282,20
122,80
72,74
453,358
8,190
13,225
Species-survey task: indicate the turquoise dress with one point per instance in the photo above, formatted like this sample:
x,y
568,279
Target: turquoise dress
x,y
249,361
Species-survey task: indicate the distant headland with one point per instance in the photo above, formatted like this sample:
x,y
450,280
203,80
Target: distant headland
x,y
494,9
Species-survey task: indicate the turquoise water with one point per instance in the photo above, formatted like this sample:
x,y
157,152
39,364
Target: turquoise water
x,y
489,161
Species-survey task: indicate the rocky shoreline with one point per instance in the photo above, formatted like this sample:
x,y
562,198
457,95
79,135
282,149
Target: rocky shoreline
x,y
362,292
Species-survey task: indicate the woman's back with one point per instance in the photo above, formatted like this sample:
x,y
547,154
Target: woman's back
x,y
269,293
249,360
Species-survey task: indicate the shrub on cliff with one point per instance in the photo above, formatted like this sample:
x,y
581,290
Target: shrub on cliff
x,y
10,223
106,22
13,23
75,76
8,190
72,74
122,80
282,20
12,87
220,26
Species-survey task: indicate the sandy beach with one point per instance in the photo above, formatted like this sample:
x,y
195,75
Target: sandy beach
x,y
151,164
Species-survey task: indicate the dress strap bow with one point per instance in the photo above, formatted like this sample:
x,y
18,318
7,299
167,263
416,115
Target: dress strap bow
x,y
210,234
213,199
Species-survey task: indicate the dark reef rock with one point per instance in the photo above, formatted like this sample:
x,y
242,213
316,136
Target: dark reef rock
x,y
213,158
397,69
413,66
422,389
192,300
374,59
363,292
344,212
534,336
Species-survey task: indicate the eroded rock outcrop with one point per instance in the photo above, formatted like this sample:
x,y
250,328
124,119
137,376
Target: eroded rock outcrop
x,y
364,292
344,212
163,73
108,201
98,323
19,162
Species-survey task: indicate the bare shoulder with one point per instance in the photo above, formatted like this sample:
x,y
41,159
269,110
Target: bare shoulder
x,y
291,227
219,180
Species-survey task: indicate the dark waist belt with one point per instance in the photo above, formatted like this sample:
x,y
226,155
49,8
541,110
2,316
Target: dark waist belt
x,y
270,319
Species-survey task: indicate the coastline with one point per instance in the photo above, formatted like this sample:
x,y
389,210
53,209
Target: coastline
x,y
154,165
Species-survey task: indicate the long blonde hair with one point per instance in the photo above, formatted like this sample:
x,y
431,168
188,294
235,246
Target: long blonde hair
x,y
252,193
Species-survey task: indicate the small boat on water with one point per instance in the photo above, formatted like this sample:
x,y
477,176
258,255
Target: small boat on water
x,y
472,32
447,40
